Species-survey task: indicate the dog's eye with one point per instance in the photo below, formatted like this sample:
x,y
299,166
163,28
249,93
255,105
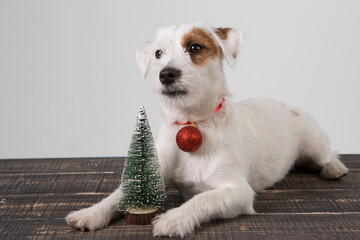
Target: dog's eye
x,y
158,54
195,48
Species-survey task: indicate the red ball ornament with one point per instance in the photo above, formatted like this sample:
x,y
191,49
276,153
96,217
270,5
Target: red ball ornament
x,y
189,139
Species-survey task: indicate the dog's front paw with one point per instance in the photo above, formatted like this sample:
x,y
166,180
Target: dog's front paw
x,y
173,223
91,218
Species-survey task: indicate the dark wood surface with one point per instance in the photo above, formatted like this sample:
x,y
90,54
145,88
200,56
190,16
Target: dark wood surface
x,y
36,195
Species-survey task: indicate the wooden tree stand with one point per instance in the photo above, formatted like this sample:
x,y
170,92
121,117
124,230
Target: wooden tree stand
x,y
140,216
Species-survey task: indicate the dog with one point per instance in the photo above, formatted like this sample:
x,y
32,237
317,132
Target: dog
x,y
246,146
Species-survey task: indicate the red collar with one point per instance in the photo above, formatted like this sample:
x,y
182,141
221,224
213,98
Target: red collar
x,y
214,111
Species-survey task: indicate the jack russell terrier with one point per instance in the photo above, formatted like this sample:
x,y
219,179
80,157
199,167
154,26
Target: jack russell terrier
x,y
246,146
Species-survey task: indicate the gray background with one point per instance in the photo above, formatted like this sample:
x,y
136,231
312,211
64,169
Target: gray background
x,y
70,86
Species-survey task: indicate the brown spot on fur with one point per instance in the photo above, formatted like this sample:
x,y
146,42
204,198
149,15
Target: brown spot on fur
x,y
295,113
210,49
222,32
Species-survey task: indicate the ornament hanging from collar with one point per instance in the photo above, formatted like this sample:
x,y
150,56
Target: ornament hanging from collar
x,y
189,138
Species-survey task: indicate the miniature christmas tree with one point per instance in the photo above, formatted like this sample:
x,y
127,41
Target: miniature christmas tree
x,y
142,184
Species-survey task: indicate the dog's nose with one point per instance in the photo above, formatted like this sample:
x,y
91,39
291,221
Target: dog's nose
x,y
169,75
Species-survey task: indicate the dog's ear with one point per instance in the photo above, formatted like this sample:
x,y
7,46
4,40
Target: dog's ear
x,y
143,59
229,40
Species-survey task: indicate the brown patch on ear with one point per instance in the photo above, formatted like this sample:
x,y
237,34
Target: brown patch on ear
x,y
295,113
222,32
210,48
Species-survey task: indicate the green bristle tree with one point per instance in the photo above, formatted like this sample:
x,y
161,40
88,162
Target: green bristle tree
x,y
142,184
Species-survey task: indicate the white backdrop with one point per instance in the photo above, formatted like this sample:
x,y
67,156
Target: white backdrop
x,y
70,86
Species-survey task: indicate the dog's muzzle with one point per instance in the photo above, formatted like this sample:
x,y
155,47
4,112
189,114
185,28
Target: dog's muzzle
x,y
171,86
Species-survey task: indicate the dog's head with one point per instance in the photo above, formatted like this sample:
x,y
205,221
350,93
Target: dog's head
x,y
184,62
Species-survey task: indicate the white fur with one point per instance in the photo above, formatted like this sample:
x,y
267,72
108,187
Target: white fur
x,y
246,147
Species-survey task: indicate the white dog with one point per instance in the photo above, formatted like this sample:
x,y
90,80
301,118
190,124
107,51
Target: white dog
x,y
247,146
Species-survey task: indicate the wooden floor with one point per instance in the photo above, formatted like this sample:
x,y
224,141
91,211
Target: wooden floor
x,y
36,194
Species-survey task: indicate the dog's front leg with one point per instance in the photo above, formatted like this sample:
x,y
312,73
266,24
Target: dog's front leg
x,y
222,202
98,215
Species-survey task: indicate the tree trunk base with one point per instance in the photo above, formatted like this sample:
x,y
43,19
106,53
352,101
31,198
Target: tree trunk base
x,y
141,216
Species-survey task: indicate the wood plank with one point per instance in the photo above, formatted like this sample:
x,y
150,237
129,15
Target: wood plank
x,y
58,205
312,180
352,161
310,201
61,165
289,226
59,183
44,206
285,226
109,181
